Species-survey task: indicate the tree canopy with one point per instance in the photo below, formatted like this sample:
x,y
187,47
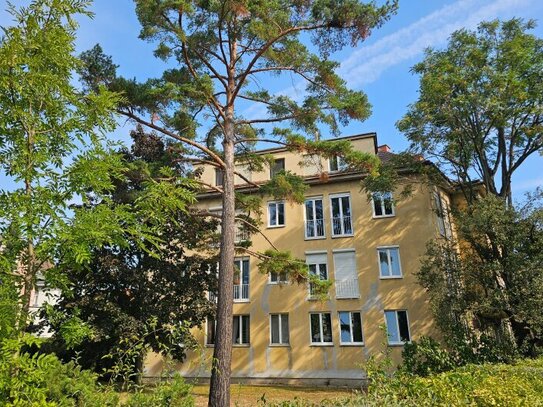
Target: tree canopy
x,y
480,107
130,293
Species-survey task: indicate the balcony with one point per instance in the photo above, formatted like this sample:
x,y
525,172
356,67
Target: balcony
x,y
347,288
241,292
342,226
314,228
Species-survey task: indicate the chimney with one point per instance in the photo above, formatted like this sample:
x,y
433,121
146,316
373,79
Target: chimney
x,y
384,149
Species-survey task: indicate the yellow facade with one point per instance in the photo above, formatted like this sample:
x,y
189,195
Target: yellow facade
x,y
405,232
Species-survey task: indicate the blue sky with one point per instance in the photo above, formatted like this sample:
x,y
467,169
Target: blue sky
x,y
380,66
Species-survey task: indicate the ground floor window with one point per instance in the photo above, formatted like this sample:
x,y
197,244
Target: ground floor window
x,y
240,330
350,325
321,328
397,327
279,329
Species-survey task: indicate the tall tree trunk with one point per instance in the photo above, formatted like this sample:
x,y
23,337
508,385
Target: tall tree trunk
x,y
219,394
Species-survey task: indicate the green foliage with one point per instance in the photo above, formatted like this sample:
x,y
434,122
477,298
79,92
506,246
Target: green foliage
x,y
425,357
170,393
42,380
494,286
480,103
46,121
133,295
286,185
275,261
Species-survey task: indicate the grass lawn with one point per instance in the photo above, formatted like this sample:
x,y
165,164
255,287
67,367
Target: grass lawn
x,y
244,395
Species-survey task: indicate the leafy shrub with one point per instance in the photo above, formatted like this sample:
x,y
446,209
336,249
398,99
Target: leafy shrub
x,y
42,380
174,393
425,357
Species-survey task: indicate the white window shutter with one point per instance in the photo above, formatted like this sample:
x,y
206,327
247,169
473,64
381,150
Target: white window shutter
x,y
345,275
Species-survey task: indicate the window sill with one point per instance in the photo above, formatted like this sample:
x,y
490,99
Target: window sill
x,y
322,345
279,345
275,226
348,298
318,299
397,344
390,277
340,236
210,345
242,301
241,345
315,238
384,216
278,282
352,345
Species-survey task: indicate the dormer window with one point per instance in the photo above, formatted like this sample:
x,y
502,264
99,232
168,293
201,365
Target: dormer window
x,y
337,163
219,177
277,167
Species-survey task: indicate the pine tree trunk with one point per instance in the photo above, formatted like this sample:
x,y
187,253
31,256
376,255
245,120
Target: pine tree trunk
x,y
219,394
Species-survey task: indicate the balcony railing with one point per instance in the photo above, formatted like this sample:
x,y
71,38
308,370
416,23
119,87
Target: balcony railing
x,y
241,292
342,226
314,228
347,288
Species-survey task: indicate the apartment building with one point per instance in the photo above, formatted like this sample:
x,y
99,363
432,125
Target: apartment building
x,y
369,248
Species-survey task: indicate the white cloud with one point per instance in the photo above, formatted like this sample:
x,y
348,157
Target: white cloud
x,y
366,64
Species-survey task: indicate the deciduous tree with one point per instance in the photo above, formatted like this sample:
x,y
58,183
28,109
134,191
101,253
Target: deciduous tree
x,y
480,107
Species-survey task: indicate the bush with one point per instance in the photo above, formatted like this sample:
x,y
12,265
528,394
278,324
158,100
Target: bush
x,y
425,357
174,393
481,385
42,380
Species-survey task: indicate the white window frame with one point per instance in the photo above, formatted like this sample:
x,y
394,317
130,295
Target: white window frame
x,y
240,260
395,311
280,343
277,225
280,280
340,164
388,248
352,342
384,215
442,211
313,199
321,331
241,326
322,253
343,234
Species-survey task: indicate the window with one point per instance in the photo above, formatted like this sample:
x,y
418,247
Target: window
x,y
219,177
314,218
276,278
321,328
341,215
443,215
389,262
317,265
211,328
346,277
397,327
277,167
240,330
279,329
241,279
382,205
350,328
337,164
276,214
